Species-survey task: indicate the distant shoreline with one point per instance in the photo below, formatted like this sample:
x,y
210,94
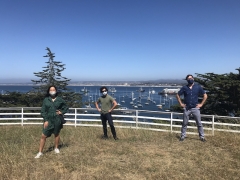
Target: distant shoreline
x,y
166,86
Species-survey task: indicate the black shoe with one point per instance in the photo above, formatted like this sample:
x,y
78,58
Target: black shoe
x,y
181,138
116,138
203,139
104,137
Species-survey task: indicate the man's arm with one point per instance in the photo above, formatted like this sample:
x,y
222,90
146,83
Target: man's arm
x,y
114,105
96,104
180,102
203,101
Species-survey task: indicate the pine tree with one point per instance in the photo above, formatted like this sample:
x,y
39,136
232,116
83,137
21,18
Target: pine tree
x,y
51,75
223,93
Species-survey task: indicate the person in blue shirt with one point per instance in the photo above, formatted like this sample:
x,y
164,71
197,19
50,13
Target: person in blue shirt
x,y
191,91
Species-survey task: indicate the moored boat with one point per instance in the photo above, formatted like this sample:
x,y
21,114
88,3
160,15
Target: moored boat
x,y
169,91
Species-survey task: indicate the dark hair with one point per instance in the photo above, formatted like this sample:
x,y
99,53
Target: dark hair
x,y
103,87
188,76
47,93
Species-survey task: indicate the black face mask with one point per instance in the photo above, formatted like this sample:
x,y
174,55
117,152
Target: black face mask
x,y
190,81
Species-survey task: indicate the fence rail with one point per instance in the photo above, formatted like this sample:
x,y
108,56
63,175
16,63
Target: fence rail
x,y
131,118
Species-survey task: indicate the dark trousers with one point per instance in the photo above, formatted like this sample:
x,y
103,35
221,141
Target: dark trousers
x,y
108,117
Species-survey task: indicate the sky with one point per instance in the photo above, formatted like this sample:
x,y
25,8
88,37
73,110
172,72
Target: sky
x,y
119,40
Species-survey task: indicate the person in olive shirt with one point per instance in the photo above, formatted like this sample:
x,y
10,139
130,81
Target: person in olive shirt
x,y
53,105
191,91
108,103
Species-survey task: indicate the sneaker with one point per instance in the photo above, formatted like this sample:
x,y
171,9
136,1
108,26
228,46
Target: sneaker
x,y
104,137
181,138
203,139
38,155
56,150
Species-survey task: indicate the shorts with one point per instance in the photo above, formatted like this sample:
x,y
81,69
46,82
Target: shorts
x,y
49,131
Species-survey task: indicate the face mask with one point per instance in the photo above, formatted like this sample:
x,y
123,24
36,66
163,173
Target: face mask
x,y
104,93
52,93
190,81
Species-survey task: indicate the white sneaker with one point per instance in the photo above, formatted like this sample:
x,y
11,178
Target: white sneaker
x,y
56,150
38,155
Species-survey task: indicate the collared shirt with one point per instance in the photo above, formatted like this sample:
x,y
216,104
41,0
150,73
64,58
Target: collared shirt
x,y
191,95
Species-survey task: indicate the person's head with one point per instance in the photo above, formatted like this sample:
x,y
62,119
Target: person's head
x,y
104,90
52,91
190,79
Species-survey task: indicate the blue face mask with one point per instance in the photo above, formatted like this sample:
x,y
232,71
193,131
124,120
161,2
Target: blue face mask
x,y
104,93
190,81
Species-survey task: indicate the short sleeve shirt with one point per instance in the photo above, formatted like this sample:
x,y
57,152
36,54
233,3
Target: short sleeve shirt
x,y
191,95
106,103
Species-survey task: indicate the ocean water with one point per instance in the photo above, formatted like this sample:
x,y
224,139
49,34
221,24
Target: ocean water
x,y
149,99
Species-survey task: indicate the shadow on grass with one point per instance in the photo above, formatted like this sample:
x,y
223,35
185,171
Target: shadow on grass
x,y
60,146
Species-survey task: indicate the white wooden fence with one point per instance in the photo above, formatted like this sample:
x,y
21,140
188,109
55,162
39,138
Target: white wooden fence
x,y
131,118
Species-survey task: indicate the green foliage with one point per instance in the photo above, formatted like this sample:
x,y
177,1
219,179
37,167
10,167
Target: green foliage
x,y
223,93
16,99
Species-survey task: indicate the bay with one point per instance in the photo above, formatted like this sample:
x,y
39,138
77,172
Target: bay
x,y
147,100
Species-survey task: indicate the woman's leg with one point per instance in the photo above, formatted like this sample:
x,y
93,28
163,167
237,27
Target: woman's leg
x,y
42,142
57,139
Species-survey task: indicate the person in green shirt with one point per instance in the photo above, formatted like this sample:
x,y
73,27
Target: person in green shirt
x,y
52,107
108,103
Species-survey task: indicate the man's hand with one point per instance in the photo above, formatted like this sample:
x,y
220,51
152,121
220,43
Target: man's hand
x,y
199,105
99,110
183,105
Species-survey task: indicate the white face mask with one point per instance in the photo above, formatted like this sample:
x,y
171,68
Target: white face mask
x,y
104,93
52,93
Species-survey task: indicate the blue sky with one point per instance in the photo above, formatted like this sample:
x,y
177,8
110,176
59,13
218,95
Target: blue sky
x,y
119,39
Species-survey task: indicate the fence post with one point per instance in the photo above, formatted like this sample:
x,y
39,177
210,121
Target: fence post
x,y
213,125
22,116
171,121
136,119
75,117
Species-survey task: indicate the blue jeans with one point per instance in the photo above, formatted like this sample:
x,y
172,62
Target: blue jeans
x,y
197,116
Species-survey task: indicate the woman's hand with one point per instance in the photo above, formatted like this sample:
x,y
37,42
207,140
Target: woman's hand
x,y
45,125
58,112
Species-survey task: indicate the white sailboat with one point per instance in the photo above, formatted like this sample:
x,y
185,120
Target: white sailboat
x,y
118,102
160,103
112,90
84,90
132,98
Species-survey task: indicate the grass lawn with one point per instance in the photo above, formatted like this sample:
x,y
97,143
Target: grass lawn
x,y
137,155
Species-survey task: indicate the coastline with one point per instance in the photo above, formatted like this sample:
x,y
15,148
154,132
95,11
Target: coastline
x,y
112,85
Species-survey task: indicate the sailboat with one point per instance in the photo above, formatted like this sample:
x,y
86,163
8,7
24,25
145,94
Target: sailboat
x,y
139,102
118,102
160,103
141,89
84,90
112,90
132,98
123,101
